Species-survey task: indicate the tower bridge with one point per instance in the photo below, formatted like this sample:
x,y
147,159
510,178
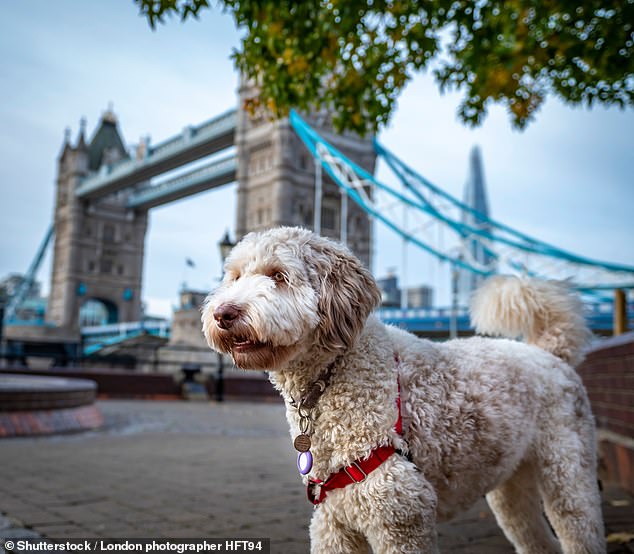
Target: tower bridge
x,y
104,193
294,171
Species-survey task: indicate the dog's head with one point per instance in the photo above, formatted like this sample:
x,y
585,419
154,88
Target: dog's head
x,y
285,290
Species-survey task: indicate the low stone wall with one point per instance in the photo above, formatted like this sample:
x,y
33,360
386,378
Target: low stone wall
x,y
608,374
47,422
36,405
116,383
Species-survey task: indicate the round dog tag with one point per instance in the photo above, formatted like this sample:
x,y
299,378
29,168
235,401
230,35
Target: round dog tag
x,y
302,443
304,462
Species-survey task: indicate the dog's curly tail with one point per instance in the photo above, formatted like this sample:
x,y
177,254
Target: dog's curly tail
x,y
545,313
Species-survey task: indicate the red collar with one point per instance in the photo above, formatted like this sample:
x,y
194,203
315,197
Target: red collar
x,y
358,471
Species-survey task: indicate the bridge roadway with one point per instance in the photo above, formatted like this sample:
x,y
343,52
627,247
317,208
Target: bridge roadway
x,y
193,143
211,175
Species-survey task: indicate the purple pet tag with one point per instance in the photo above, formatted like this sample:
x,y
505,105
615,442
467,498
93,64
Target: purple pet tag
x,y
304,462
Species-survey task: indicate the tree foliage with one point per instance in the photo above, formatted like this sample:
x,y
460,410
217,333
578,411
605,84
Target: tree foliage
x,y
356,56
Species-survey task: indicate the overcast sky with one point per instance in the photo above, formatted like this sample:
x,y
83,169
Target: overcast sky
x,y
567,179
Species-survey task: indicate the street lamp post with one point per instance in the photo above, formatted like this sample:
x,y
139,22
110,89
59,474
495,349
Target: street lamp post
x,y
225,246
453,320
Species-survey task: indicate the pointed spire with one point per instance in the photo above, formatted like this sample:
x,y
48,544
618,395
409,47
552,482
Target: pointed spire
x,y
109,115
106,145
66,144
81,139
143,148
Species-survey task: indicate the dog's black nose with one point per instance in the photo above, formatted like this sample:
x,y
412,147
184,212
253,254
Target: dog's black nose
x,y
225,315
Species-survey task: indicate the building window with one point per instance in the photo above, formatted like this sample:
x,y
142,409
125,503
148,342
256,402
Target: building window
x,y
106,266
108,233
300,213
329,218
91,266
120,269
358,224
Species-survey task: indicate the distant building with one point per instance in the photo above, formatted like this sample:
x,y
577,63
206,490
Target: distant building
x,y
190,298
417,297
10,284
187,344
476,198
186,324
32,309
420,297
390,292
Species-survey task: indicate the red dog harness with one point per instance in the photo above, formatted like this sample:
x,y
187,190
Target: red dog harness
x,y
358,471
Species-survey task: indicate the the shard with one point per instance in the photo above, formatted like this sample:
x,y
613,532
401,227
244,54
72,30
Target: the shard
x,y
474,252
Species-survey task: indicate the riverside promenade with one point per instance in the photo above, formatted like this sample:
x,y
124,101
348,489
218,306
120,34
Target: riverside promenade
x,y
192,470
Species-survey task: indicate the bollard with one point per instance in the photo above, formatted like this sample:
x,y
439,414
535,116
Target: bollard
x,y
620,312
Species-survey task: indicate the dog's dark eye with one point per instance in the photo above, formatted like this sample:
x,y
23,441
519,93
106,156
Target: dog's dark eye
x,y
279,277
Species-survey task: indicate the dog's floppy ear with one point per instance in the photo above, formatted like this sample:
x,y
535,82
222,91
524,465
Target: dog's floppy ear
x,y
347,294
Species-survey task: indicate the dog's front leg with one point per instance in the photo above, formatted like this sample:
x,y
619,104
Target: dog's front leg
x,y
393,511
401,510
329,535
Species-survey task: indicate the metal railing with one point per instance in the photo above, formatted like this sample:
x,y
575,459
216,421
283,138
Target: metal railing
x,y
122,329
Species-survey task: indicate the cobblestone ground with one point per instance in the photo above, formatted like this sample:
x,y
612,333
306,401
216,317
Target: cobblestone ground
x,y
176,469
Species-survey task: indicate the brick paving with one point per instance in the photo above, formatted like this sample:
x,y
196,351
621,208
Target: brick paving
x,y
177,469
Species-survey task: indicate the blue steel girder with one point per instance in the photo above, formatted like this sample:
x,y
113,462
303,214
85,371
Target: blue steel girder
x,y
29,278
520,253
193,143
214,174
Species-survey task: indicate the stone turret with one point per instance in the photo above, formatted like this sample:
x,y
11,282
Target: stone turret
x,y
276,179
98,251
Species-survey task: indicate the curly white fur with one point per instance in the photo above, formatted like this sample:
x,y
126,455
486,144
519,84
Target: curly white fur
x,y
545,313
483,416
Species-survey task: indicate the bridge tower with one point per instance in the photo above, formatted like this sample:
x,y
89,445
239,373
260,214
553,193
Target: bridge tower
x,y
276,178
98,251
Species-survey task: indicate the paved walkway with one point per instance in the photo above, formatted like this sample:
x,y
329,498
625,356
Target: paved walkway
x,y
176,469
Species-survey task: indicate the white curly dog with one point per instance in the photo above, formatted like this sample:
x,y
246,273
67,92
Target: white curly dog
x,y
477,416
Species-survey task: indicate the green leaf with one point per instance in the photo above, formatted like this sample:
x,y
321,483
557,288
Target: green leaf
x,y
355,57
